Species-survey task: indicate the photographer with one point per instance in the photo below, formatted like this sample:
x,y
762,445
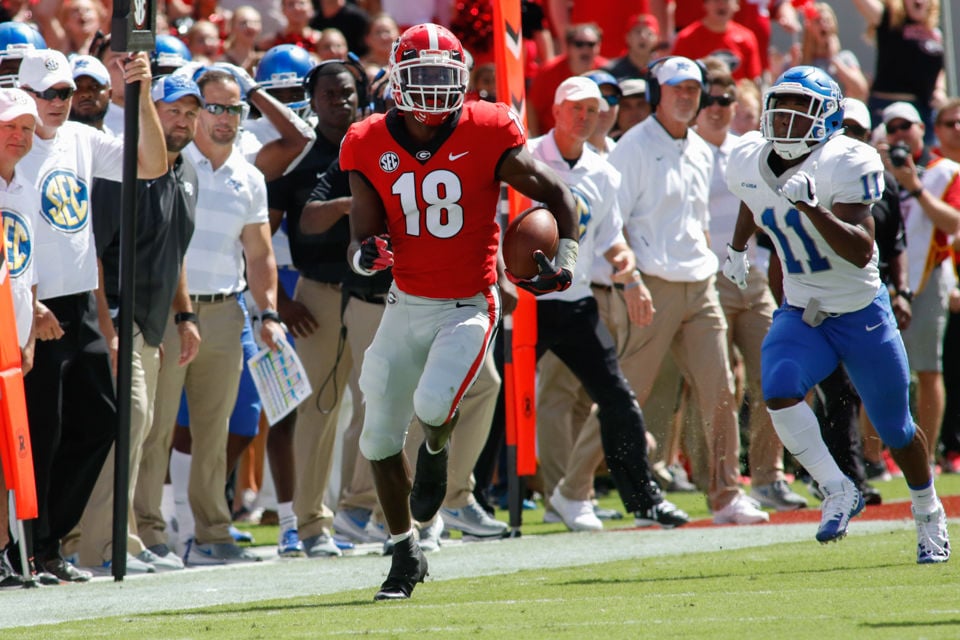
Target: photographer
x,y
930,204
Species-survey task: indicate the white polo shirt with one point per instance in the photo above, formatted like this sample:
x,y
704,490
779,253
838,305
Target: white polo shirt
x,y
230,198
664,196
19,206
594,184
62,169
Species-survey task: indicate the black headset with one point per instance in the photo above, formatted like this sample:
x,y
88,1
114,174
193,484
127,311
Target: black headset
x,y
653,85
356,69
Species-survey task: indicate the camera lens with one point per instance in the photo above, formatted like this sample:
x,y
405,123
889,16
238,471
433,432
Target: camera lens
x,y
899,152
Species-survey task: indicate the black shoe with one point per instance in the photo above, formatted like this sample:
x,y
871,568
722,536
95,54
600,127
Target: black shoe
x,y
666,514
61,570
871,495
429,484
407,569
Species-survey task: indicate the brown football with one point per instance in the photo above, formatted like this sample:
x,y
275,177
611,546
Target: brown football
x,y
533,229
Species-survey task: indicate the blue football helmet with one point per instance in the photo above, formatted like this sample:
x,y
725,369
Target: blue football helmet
x,y
16,38
285,66
169,53
824,113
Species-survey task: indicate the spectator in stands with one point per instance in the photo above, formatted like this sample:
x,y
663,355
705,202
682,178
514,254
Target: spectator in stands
x,y
298,13
717,34
821,48
910,56
240,47
352,21
383,32
331,45
203,41
747,116
643,36
582,55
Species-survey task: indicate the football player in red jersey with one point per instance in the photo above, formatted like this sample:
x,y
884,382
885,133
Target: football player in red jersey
x,y
426,181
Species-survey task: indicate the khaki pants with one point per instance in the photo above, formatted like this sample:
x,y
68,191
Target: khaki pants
x,y
211,382
749,315
689,322
92,539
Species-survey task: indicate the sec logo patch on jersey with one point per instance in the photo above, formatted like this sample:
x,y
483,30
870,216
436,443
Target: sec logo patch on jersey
x,y
65,201
389,162
19,244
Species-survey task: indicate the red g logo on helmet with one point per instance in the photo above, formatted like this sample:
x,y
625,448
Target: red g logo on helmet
x,y
428,74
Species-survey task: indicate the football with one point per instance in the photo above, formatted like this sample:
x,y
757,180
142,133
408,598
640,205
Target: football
x,y
535,228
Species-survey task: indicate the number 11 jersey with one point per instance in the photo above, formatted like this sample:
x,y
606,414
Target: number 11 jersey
x,y
441,199
844,171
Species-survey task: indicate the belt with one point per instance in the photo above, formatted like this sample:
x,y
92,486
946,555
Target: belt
x,y
606,287
213,297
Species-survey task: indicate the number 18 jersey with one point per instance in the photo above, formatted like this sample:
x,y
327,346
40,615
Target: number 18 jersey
x,y
440,199
844,171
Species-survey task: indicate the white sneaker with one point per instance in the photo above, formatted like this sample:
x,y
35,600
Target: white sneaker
x,y
740,511
578,515
162,558
430,536
840,504
472,520
933,545
134,566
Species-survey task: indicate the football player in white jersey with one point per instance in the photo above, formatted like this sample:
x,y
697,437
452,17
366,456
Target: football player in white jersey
x,y
811,190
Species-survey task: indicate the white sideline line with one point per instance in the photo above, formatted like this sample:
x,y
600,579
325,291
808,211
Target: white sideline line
x,y
282,578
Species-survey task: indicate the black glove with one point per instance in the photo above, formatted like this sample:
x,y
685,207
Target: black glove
x,y
551,278
375,253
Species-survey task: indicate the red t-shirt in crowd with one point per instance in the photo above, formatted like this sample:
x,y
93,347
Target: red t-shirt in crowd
x,y
737,46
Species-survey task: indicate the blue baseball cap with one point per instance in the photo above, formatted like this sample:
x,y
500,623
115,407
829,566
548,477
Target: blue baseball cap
x,y
173,87
602,77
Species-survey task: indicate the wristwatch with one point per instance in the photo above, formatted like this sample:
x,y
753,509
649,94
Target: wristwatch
x,y
270,314
185,316
906,294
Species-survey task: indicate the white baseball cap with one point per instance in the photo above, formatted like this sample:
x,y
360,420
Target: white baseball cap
x,y
903,110
675,70
15,103
92,67
44,68
633,87
855,110
580,88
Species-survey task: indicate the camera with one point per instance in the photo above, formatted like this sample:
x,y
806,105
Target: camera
x,y
899,152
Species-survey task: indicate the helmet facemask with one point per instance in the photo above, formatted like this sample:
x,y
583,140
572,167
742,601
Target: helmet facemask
x,y
431,85
800,129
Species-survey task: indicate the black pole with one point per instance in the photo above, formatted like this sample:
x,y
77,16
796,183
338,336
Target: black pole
x,y
128,257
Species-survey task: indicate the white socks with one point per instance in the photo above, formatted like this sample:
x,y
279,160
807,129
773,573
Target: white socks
x,y
288,519
924,500
400,537
180,478
799,432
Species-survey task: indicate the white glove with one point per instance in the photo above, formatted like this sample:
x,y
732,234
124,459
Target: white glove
x,y
800,188
736,266
247,83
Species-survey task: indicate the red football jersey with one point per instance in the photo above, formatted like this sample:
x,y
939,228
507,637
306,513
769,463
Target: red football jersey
x,y
738,47
441,200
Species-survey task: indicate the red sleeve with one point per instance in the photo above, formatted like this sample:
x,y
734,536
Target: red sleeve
x,y
951,195
351,141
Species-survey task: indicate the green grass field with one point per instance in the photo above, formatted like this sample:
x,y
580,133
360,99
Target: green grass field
x,y
867,586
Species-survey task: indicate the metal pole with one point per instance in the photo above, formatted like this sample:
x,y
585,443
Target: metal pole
x,y
128,257
949,47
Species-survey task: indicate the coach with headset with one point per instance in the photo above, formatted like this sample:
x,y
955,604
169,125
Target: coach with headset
x,y
667,168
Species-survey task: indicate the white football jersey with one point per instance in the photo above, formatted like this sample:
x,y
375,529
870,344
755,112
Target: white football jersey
x,y
19,208
844,171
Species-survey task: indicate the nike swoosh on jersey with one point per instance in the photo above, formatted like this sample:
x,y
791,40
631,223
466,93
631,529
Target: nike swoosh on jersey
x,y
457,156
873,327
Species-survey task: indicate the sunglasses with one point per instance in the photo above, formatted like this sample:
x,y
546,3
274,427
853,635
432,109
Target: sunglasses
x,y
724,100
60,94
220,109
582,44
612,100
900,127
949,124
